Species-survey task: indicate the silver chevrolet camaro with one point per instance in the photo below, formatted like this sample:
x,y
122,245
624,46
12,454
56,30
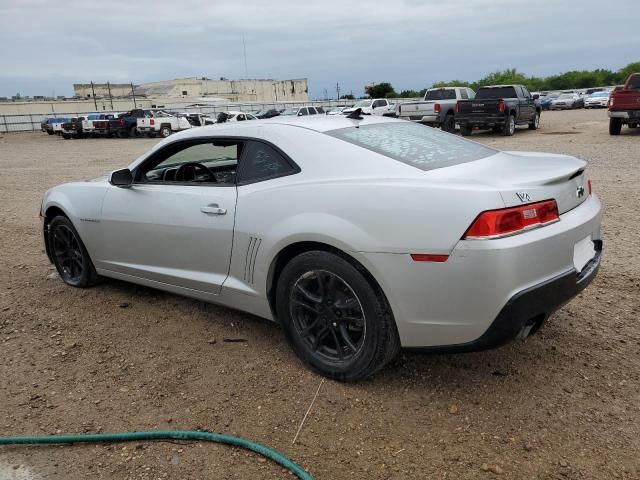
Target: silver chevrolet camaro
x,y
359,235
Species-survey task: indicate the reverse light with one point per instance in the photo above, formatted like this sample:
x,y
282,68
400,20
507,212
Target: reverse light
x,y
501,106
510,221
436,108
427,257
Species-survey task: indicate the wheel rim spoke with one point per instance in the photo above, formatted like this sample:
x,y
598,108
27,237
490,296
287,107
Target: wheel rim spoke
x,y
67,253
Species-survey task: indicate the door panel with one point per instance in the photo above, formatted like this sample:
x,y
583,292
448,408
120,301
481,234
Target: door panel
x,y
175,234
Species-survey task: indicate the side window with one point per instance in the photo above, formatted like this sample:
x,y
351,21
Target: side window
x,y
261,162
303,111
525,92
320,110
378,103
210,162
463,94
240,117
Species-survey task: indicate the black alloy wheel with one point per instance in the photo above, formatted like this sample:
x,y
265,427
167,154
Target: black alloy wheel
x,y
69,254
328,315
335,317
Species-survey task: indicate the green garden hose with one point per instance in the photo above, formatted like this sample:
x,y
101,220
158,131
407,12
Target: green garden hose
x,y
267,452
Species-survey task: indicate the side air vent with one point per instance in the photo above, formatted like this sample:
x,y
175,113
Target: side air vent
x,y
250,259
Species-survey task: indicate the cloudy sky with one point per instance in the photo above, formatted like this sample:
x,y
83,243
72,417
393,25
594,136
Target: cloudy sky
x,y
46,46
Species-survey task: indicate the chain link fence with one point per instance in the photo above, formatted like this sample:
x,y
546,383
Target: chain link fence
x,y
32,122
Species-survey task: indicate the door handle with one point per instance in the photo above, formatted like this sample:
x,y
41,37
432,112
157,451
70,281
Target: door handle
x,y
213,209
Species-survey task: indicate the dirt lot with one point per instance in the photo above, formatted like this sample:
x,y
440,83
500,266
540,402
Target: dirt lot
x,y
562,404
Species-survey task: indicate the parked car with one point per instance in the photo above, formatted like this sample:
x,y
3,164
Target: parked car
x,y
56,125
268,113
87,123
299,238
437,108
126,124
624,105
336,110
47,124
198,119
546,101
567,101
237,116
500,108
102,126
371,106
598,99
301,111
73,128
158,122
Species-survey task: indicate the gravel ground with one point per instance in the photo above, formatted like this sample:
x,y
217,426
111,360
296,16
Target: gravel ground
x,y
563,404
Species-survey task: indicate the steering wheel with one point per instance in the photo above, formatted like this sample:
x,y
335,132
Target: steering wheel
x,y
188,172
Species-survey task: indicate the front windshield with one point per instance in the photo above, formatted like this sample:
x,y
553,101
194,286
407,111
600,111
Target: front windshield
x,y
290,111
566,95
363,104
600,94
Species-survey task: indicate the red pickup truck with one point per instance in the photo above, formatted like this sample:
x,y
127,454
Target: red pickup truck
x,y
624,105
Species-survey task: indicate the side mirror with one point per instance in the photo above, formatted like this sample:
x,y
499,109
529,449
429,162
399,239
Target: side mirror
x,y
121,178
536,96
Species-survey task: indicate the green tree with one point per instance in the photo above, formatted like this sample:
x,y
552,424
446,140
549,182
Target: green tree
x,y
624,72
380,90
348,96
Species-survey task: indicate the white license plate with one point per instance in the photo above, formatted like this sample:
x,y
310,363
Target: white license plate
x,y
583,251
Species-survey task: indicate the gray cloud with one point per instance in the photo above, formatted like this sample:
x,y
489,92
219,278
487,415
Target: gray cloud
x,y
48,45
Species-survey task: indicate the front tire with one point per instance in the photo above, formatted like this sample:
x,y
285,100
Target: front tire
x,y
615,126
334,319
165,131
535,122
69,254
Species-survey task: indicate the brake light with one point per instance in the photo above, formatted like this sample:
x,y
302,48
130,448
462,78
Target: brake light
x,y
501,106
510,221
610,102
436,108
589,185
457,107
427,257
122,122
152,122
94,124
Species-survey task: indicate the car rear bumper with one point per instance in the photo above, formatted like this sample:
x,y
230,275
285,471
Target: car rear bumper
x,y
634,114
465,302
486,120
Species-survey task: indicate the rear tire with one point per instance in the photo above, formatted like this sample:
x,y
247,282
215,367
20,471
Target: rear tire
x,y
449,123
633,125
509,127
535,122
615,126
133,132
466,130
165,131
66,136
337,323
49,132
69,254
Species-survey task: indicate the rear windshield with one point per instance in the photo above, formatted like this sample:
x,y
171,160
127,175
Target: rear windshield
x,y
634,83
417,145
496,92
441,94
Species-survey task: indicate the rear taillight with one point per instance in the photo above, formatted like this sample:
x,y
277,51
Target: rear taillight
x,y
589,185
457,107
152,122
510,221
610,102
436,108
501,106
122,122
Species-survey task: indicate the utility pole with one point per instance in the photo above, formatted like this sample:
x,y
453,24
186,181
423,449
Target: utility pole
x,y
244,48
93,94
326,94
110,97
133,92
338,90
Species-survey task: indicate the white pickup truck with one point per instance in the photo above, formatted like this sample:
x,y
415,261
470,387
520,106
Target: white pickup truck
x,y
437,109
87,124
371,106
159,122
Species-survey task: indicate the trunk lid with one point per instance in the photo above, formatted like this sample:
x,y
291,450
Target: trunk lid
x,y
526,177
413,109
